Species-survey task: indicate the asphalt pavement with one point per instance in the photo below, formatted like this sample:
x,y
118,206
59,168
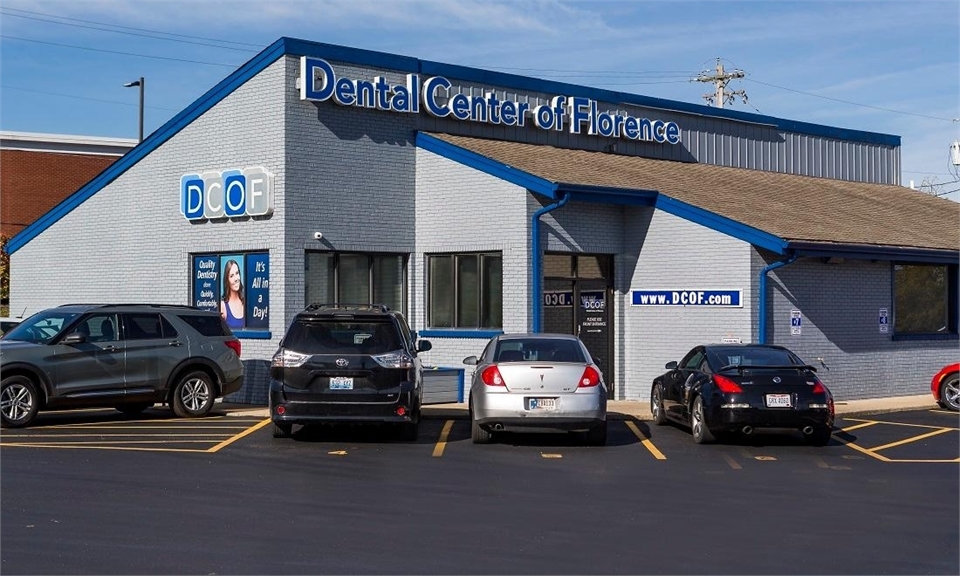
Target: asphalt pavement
x,y
639,410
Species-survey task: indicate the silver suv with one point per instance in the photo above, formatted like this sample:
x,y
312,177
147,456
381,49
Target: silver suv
x,y
126,356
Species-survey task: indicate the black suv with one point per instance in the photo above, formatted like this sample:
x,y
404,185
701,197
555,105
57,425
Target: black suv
x,y
347,363
125,356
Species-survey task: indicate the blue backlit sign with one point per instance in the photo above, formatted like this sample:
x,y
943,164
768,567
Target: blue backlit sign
x,y
227,194
319,82
712,298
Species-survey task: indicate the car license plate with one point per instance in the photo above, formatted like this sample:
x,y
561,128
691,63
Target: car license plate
x,y
541,403
341,383
778,401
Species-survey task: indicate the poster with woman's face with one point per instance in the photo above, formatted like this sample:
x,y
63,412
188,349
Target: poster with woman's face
x,y
232,297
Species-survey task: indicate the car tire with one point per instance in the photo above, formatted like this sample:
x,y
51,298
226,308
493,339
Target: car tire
x,y
19,401
409,431
193,396
698,427
282,429
820,437
656,405
133,409
479,434
597,436
950,392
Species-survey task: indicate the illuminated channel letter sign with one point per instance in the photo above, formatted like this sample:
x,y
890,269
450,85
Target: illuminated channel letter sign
x,y
574,114
227,194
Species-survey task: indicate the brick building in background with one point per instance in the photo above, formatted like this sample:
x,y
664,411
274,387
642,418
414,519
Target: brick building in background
x,y
37,171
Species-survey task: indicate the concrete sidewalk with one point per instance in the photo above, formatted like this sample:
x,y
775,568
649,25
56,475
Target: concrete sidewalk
x,y
632,409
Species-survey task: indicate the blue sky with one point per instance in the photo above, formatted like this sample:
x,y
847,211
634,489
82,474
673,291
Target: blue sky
x,y
883,66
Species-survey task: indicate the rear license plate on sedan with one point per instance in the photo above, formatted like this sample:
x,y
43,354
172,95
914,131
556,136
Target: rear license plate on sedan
x,y
541,403
341,383
778,401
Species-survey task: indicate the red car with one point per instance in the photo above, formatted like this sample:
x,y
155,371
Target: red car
x,y
946,387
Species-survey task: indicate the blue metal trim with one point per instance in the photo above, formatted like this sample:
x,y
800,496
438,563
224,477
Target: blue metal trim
x,y
762,306
608,195
861,252
459,333
460,391
223,89
253,334
722,224
535,288
486,165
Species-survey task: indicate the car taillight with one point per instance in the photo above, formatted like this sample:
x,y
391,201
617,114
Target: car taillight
x,y
818,387
396,359
491,376
234,345
726,385
590,378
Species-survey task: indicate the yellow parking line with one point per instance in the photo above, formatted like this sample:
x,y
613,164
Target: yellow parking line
x,y
863,450
184,422
928,461
85,447
442,442
898,424
913,439
858,426
733,463
236,437
646,441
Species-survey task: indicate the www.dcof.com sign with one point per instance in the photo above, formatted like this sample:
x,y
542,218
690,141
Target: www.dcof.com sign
x,y
319,82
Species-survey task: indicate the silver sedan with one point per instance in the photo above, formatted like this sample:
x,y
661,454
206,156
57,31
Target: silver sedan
x,y
537,382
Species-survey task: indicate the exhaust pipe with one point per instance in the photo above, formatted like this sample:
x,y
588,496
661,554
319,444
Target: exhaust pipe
x,y
807,430
498,427
747,430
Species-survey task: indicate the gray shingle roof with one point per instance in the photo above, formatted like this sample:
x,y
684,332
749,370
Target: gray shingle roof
x,y
795,208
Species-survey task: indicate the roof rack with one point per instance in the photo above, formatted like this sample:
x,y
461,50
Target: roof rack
x,y
102,305
360,307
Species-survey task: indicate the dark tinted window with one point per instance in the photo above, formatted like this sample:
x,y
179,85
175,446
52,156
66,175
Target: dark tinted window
x,y
539,350
142,326
41,327
745,356
322,336
206,324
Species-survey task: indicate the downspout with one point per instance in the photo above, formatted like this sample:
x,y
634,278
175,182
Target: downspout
x,y
535,250
762,313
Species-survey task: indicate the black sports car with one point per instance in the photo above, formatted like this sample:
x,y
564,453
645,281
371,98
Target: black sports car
x,y
726,388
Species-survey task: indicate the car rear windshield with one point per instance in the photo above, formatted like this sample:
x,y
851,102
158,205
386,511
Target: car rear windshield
x,y
330,336
206,324
754,357
539,350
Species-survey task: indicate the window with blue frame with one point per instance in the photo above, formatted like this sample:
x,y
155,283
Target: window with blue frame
x,y
925,299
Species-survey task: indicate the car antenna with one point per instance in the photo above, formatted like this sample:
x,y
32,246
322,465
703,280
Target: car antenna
x,y
22,313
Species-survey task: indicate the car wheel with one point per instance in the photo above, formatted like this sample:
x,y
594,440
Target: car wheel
x,y
820,437
193,395
133,409
19,401
950,392
701,433
282,429
656,405
597,436
409,431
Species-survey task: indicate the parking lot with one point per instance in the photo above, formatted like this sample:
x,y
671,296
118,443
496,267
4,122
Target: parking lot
x,y
115,495
922,436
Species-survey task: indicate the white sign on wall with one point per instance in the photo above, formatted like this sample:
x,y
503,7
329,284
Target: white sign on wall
x,y
796,323
884,321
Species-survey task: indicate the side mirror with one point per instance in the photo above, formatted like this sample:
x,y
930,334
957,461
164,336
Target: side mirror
x,y
670,365
471,360
74,338
424,345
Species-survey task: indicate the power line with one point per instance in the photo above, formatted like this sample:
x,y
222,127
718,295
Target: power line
x,y
117,52
47,92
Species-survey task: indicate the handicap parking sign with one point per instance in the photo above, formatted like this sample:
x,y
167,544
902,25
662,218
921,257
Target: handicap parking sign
x,y
796,323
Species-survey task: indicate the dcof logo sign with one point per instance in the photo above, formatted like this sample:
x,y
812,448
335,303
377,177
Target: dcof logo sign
x,y
227,194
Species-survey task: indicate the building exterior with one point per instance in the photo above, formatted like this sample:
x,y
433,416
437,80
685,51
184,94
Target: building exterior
x,y
38,171
479,202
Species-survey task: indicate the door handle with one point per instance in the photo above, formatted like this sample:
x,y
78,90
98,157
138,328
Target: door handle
x,y
176,343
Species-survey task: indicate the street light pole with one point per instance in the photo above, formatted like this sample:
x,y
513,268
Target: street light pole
x,y
139,83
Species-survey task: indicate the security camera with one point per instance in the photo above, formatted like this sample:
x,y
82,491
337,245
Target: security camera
x,y
318,235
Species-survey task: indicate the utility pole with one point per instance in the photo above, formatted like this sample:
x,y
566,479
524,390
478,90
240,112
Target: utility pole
x,y
721,78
